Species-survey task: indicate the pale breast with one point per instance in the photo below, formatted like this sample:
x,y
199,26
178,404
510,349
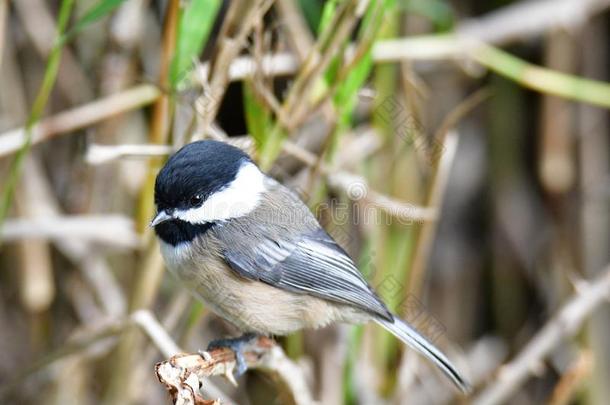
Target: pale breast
x,y
250,305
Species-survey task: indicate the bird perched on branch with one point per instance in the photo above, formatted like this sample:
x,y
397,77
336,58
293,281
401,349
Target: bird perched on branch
x,y
251,250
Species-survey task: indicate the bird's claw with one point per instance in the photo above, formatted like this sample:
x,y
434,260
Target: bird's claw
x,y
237,345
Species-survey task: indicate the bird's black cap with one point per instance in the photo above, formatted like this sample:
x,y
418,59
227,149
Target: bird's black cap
x,y
198,168
189,177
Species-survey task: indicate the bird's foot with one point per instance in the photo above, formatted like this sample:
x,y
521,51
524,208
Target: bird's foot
x,y
237,345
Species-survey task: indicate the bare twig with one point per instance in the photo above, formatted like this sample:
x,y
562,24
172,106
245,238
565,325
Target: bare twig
x,y
139,96
279,64
357,188
184,374
548,14
112,230
238,24
80,117
166,345
425,47
525,19
347,182
98,154
146,320
589,296
517,21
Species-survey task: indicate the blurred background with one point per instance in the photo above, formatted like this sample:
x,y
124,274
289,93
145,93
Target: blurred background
x,y
457,150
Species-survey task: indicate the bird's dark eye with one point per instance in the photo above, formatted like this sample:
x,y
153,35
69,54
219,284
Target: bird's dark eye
x,y
196,200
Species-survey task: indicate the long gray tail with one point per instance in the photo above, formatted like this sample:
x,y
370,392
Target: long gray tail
x,y
416,341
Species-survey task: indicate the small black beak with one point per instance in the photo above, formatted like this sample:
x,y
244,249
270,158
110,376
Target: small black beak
x,y
161,217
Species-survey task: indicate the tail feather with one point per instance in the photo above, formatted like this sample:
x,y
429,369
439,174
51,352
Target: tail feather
x,y
416,341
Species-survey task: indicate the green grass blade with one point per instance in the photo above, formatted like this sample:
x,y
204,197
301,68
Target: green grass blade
x,y
328,13
267,133
258,118
346,96
40,102
543,79
194,27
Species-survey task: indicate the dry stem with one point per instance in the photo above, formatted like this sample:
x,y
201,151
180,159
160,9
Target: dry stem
x,y
589,296
184,374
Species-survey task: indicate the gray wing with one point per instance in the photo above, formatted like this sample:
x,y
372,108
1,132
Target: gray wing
x,y
310,263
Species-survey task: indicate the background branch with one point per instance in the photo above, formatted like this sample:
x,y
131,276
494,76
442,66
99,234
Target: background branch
x,y
589,296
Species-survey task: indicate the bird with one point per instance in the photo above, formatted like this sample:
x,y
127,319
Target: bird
x,y
253,252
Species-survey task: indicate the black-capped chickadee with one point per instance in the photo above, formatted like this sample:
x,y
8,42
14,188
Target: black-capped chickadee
x,y
252,251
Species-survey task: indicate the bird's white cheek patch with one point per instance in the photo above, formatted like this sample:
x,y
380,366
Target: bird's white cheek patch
x,y
239,198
